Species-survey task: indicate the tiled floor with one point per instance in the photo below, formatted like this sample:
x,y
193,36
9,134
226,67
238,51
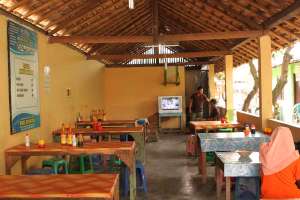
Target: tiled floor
x,y
172,175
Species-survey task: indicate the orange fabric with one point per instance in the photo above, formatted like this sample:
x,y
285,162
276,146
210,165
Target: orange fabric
x,y
282,184
279,152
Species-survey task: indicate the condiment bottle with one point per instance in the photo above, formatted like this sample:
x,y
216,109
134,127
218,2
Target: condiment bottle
x,y
80,141
252,129
74,140
27,140
63,137
69,138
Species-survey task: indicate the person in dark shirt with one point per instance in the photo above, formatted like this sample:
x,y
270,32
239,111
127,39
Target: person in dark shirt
x,y
196,104
214,111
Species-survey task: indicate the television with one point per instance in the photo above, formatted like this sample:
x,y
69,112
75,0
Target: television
x,y
170,104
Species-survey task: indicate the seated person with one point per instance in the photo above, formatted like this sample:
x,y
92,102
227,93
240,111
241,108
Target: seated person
x,y
280,166
214,111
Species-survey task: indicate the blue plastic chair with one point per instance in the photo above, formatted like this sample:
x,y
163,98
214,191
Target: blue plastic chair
x,y
140,171
124,180
96,162
247,188
141,178
123,138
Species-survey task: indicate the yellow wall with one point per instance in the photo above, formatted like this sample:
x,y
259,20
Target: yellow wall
x,y
132,92
69,69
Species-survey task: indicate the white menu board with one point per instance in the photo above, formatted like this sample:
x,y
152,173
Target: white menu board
x,y
23,69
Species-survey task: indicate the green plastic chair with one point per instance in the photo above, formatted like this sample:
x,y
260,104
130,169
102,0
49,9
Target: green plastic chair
x,y
210,157
81,164
55,164
114,163
225,130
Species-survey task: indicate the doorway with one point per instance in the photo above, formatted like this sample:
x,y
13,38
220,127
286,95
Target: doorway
x,y
193,79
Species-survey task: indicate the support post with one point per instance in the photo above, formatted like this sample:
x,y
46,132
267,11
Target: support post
x,y
211,81
265,79
229,86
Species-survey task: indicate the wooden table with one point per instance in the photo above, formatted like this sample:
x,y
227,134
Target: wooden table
x,y
213,142
96,186
136,132
107,123
233,165
208,125
124,150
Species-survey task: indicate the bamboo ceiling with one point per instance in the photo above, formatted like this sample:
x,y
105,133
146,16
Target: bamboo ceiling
x,y
113,18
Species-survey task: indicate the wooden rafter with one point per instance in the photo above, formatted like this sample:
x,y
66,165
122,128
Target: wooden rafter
x,y
150,39
176,55
81,12
159,65
287,13
238,16
18,4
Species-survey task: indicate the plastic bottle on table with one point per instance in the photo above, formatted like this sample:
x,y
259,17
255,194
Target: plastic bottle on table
x,y
27,140
63,137
74,140
80,140
252,129
69,137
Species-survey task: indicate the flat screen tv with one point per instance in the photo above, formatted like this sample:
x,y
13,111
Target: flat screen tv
x,y
169,104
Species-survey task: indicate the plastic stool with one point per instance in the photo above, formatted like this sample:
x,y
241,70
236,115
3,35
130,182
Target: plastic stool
x,y
114,163
123,137
85,164
124,180
210,156
140,173
55,164
97,162
225,130
40,171
247,188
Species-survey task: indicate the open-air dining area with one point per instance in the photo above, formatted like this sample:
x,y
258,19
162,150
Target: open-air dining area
x,y
149,99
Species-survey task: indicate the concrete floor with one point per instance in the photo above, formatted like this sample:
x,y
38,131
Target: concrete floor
x,y
172,175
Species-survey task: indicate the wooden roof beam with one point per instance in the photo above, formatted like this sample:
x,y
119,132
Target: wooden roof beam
x,y
211,36
159,65
161,38
100,39
175,55
287,13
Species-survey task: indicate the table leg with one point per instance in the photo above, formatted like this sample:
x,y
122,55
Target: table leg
x,y
228,189
202,166
199,162
116,193
218,182
10,161
132,179
140,146
24,164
